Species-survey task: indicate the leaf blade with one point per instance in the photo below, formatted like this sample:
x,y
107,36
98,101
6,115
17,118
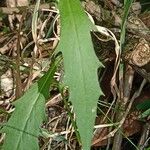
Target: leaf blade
x,y
23,128
77,49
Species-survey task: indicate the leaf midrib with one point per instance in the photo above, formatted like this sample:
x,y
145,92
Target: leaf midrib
x,y
79,45
79,51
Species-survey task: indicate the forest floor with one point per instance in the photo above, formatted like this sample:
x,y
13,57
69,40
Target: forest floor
x,y
22,62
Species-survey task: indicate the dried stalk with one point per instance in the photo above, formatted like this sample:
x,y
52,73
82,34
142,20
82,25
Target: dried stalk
x,y
124,98
19,90
145,135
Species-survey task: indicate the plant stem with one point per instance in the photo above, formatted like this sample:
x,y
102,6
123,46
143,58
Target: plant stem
x,y
19,91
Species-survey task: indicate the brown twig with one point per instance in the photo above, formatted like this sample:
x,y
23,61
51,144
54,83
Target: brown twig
x,y
111,134
145,135
19,90
125,96
136,94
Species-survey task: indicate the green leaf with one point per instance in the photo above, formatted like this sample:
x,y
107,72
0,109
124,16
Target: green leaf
x,y
127,5
145,114
148,148
80,63
144,105
23,128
